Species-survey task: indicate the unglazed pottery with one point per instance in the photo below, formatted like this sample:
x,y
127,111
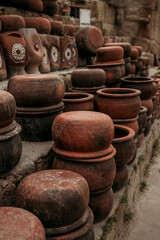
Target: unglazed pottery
x,y
54,52
57,27
148,104
74,60
109,54
18,223
3,71
45,66
42,25
12,22
125,45
120,178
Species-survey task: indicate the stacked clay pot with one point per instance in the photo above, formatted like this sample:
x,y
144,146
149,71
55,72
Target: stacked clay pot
x,y
139,63
39,101
134,59
142,123
82,144
110,59
125,146
66,52
144,71
59,198
10,141
17,223
12,22
50,7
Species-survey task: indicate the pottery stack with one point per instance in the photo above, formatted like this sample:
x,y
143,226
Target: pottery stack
x,y
144,71
139,63
59,198
82,144
134,60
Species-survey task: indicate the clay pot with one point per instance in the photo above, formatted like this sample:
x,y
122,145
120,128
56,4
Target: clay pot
x,y
124,144
109,101
12,22
120,178
88,40
133,67
139,49
42,25
103,169
148,104
3,71
15,51
70,30
34,49
13,219
57,27
145,61
144,72
35,6
54,52
134,53
109,54
148,125
66,52
142,119
83,131
78,102
125,45
64,193
145,85
45,66
101,203
127,65
50,7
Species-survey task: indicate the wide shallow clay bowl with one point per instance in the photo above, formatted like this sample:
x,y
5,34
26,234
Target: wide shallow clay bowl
x,y
119,102
18,223
109,54
82,131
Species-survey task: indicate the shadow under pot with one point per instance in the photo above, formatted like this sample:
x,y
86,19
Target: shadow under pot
x,y
3,71
45,66
34,49
54,52
120,178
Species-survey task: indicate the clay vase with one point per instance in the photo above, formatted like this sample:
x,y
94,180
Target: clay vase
x,y
66,52
34,49
13,219
120,178
54,52
50,7
3,71
78,102
12,22
110,100
42,25
45,66
88,40
15,51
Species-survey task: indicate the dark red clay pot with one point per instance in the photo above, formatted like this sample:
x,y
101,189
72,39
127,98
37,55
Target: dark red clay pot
x,y
57,27
66,52
109,101
45,66
120,178
139,49
59,198
134,53
101,203
15,219
88,40
42,25
109,54
50,7
142,119
31,5
145,61
148,104
127,65
3,71
125,45
103,169
78,101
133,67
144,72
12,22
54,52
83,131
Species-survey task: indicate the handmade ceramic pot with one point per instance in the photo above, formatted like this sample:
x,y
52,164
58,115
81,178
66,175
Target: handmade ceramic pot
x,y
30,5
148,104
42,25
125,45
109,54
3,71
45,66
127,65
12,22
54,52
110,100
13,219
57,27
139,49
133,66
15,51
50,7
142,119
144,72
120,178
34,49
70,30
134,53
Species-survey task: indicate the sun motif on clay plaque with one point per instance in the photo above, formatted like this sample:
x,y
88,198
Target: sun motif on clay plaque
x,y
54,54
18,51
68,54
45,57
0,60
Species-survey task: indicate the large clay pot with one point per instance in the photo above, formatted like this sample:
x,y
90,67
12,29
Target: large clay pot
x,y
18,223
31,5
120,178
110,101
12,22
3,71
54,52
45,66
42,25
34,49
109,54
142,119
15,51
125,45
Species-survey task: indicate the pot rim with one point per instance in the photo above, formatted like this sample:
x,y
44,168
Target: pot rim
x,y
133,80
130,134
112,92
88,88
82,97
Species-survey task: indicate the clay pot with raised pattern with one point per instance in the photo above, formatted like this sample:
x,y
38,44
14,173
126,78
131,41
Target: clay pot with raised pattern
x,y
12,22
54,52
42,25
45,66
13,219
3,71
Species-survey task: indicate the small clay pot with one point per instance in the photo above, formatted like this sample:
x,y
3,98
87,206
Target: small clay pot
x,y
3,71
109,101
142,119
148,125
120,178
125,45
109,54
69,30
45,66
148,104
145,61
127,65
134,53
12,22
139,49
54,52
66,52
13,219
42,25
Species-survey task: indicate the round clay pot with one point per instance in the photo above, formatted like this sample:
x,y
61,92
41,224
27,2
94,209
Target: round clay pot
x,y
101,203
50,7
59,198
125,45
85,78
127,65
57,28
109,54
34,49
133,67
139,49
70,30
103,169
120,178
42,25
88,40
12,22
145,85
109,101
83,131
66,52
45,66
134,53
124,144
139,65
148,104
148,125
3,71
13,219
54,52
142,119
78,102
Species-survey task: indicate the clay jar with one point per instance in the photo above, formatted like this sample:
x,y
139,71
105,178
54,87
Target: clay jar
x,y
109,54
42,25
54,52
13,219
15,52
12,22
78,101
45,66
34,49
3,71
110,101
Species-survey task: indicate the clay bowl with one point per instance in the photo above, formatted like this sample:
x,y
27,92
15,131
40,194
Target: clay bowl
x,y
111,100
12,22
83,131
42,25
142,119
120,178
109,54
125,45
13,219
59,198
78,101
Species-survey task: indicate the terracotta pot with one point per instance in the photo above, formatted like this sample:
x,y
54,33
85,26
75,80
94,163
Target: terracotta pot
x,y
42,25
3,71
13,219
142,119
127,65
109,54
57,27
125,45
45,66
139,65
70,30
64,193
54,52
133,67
140,138
12,22
101,203
83,131
148,125
31,5
50,7
15,51
109,101
78,101
145,85
124,144
148,104
85,78
134,53
66,52
34,49
88,40
139,49
120,178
